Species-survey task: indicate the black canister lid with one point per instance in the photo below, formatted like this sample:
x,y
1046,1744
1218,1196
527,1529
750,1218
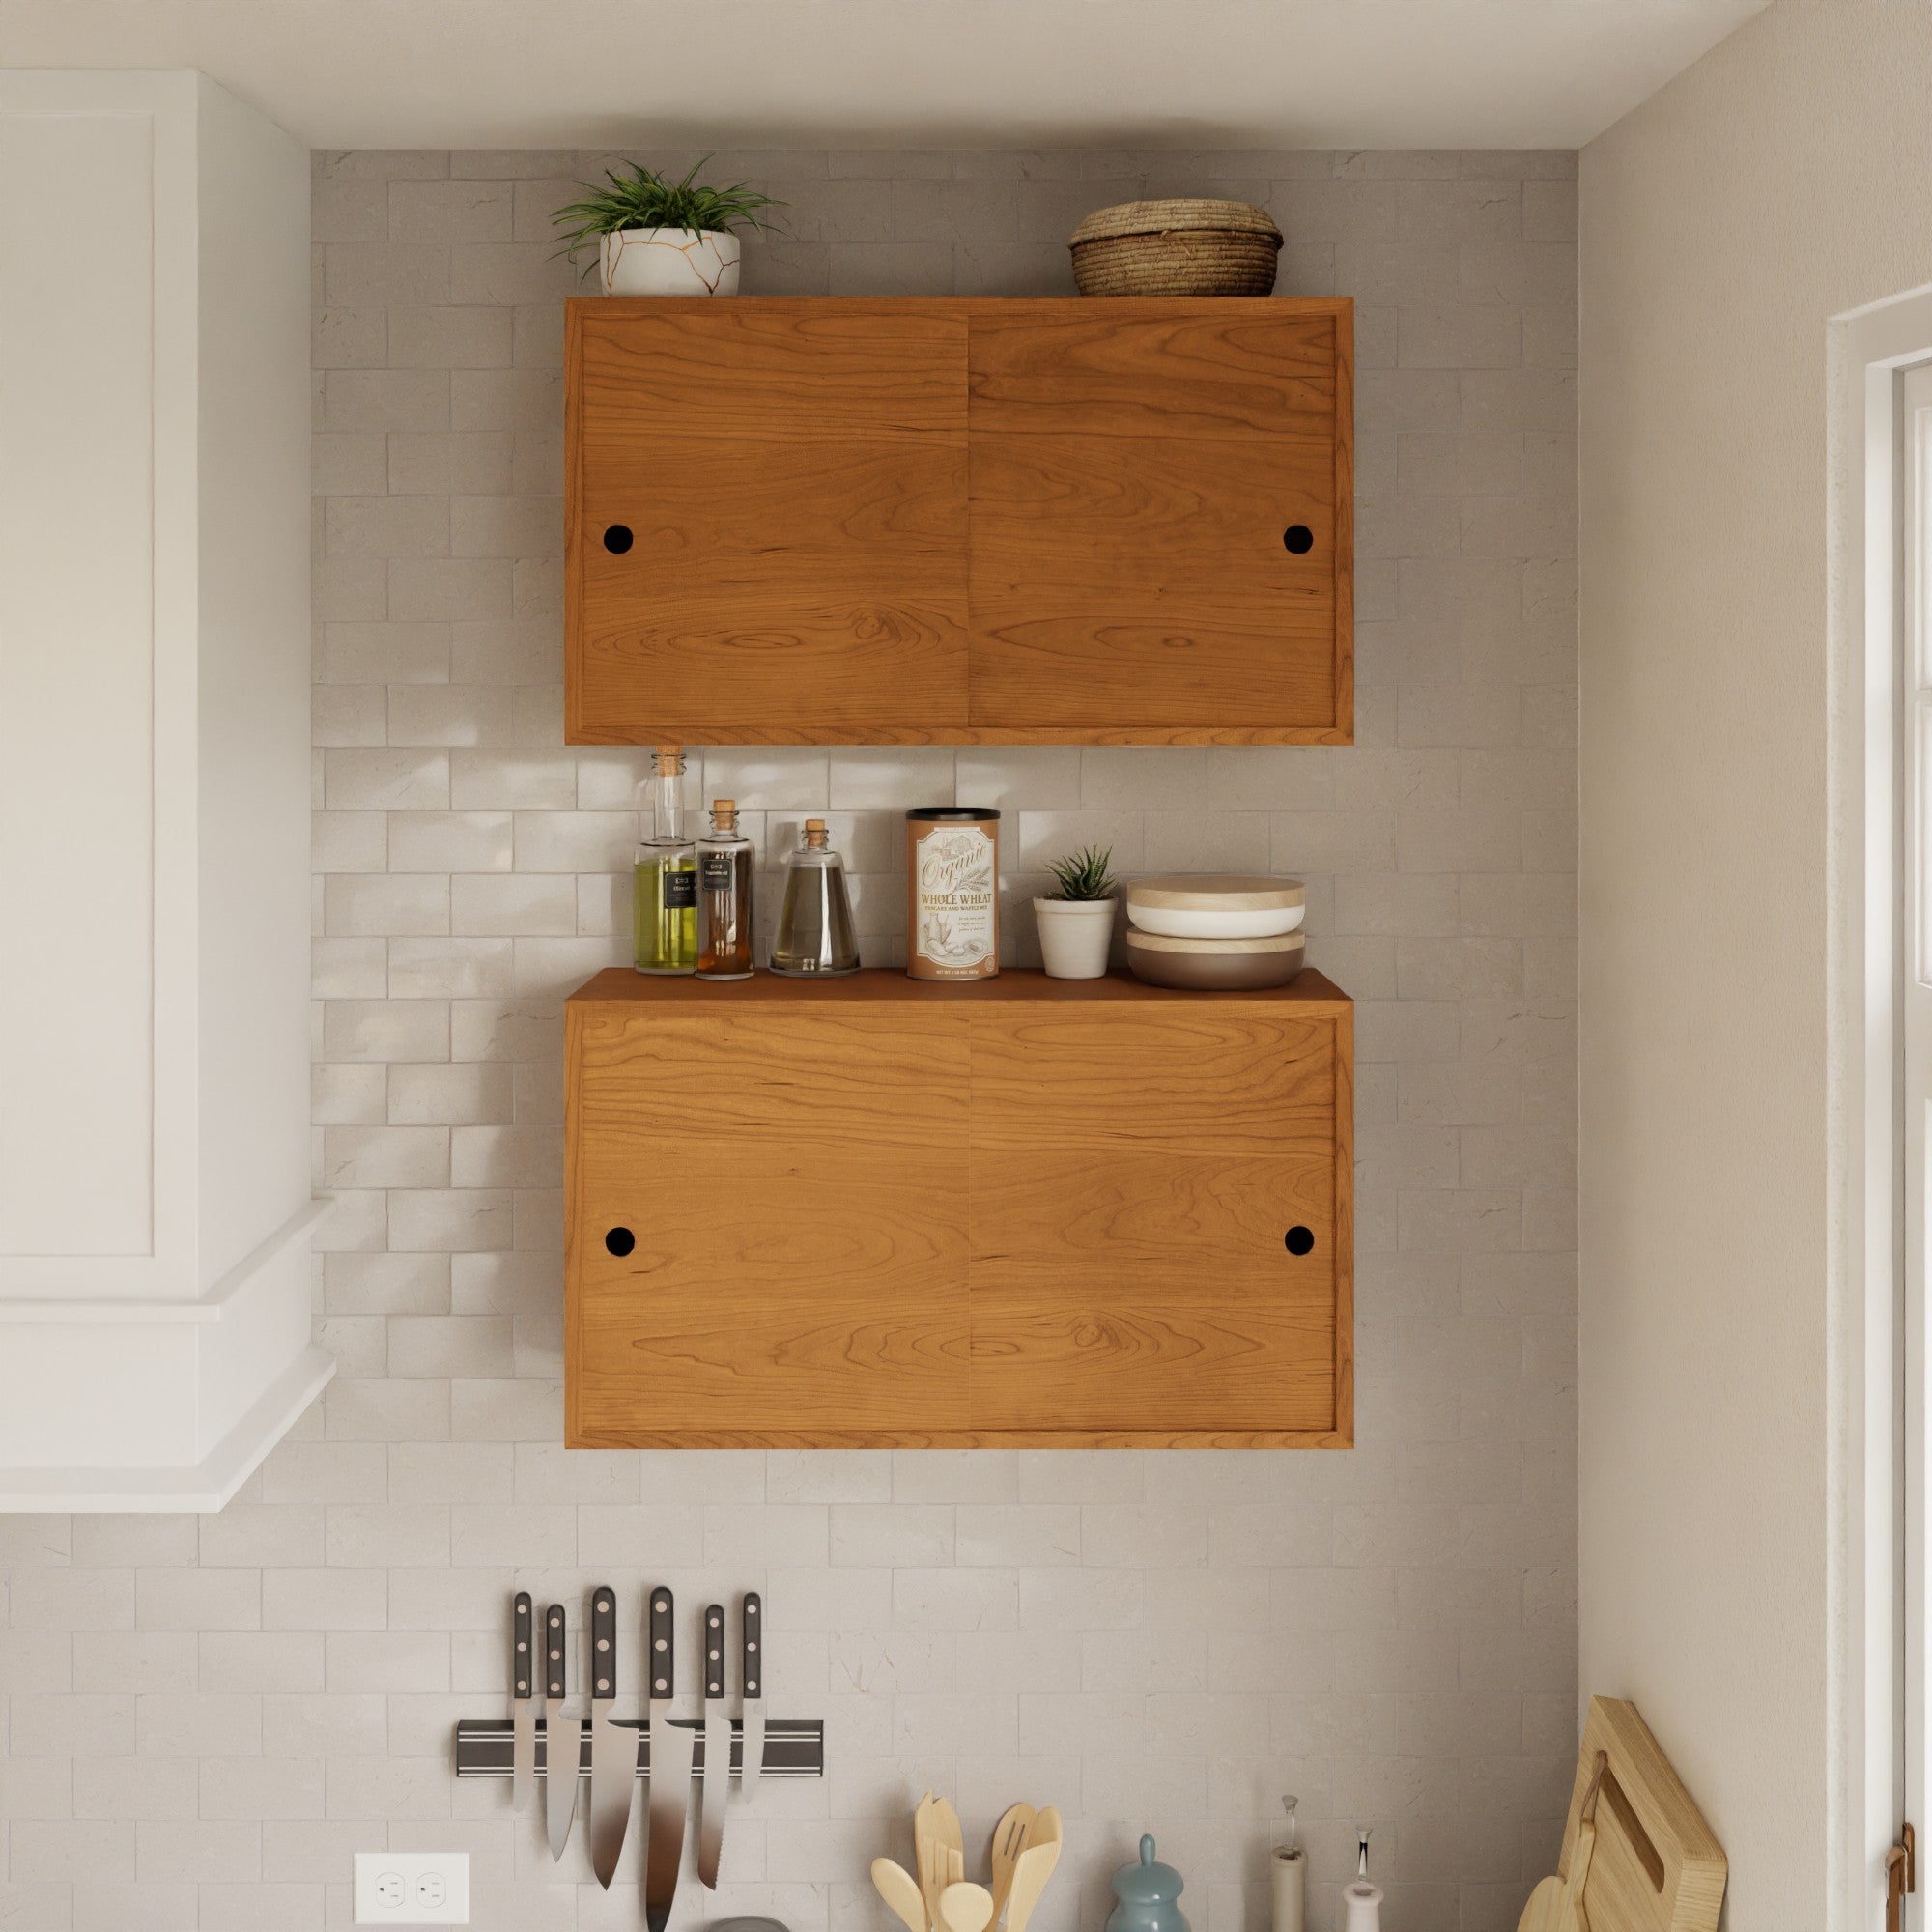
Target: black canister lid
x,y
970,814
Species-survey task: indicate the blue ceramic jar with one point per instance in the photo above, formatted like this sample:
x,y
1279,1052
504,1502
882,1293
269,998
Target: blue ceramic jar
x,y
1148,1894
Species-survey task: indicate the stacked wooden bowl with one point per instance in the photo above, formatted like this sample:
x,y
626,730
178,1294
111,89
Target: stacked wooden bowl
x,y
1176,248
1215,931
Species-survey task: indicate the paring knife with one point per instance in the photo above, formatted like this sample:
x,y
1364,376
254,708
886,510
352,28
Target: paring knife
x,y
563,1737
717,1784
752,1752
669,1763
614,1753
523,1668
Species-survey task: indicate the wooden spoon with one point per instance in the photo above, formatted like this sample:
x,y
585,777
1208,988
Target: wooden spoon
x,y
928,1859
900,1891
1035,1866
965,1907
1010,1841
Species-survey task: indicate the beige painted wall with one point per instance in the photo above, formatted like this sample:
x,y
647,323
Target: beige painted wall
x,y
1785,177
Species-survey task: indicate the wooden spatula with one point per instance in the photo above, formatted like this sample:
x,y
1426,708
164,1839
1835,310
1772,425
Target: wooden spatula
x,y
1010,1841
931,1854
900,1891
1035,1866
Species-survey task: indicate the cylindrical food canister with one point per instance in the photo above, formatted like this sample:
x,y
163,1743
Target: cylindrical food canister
x,y
952,893
1290,1871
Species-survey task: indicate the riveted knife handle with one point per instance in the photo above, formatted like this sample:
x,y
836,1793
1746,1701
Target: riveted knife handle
x,y
521,1657
602,1643
663,1646
556,1633
753,1640
714,1650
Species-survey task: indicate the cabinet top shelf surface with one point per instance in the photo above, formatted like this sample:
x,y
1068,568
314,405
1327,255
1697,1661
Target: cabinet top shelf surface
x,y
888,985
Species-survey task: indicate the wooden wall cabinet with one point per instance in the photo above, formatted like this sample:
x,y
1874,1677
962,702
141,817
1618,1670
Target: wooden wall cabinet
x,y
1028,1212
959,521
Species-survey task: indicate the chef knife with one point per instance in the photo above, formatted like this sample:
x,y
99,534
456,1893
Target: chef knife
x,y
523,1667
563,1737
752,1749
670,1766
614,1753
717,1784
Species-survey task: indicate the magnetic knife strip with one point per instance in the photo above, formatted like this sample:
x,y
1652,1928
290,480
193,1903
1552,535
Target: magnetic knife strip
x,y
795,1746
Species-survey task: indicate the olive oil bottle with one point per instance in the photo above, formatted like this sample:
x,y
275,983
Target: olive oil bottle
x,y
665,898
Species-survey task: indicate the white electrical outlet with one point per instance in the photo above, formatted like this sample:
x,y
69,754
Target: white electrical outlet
x,y
412,1887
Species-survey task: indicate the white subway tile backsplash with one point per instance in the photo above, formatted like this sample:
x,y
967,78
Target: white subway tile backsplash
x,y
217,1712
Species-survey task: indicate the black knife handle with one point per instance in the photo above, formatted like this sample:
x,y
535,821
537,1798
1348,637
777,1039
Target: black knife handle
x,y
603,1641
556,1633
714,1650
519,1644
663,1665
753,1642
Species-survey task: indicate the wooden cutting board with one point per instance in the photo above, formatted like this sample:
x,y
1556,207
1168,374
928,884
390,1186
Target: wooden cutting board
x,y
1637,1856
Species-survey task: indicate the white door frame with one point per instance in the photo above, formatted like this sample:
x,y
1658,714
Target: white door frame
x,y
1871,1431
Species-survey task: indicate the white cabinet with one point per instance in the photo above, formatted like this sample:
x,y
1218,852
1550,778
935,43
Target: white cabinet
x,y
155,1332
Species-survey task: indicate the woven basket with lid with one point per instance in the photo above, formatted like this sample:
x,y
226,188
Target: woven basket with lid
x,y
1176,248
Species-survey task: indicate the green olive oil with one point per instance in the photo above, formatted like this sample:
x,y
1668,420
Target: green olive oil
x,y
665,895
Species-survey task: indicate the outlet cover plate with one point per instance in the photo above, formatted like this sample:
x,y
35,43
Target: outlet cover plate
x,y
412,1887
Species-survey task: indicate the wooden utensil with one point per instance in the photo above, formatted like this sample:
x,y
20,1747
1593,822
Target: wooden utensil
x,y
1035,1866
965,1907
900,1891
1010,1841
929,1859
1637,1856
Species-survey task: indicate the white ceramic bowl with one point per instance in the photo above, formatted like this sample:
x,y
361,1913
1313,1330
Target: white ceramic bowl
x,y
1221,923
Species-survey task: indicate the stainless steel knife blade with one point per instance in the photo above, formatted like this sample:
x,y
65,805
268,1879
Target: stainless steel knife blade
x,y
563,1737
753,1638
614,1751
670,1764
716,1785
522,1670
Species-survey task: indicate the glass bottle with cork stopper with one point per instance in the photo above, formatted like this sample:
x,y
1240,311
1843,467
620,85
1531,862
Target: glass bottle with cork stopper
x,y
724,896
815,939
664,903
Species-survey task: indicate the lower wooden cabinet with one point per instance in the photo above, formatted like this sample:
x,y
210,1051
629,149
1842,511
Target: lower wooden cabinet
x,y
1028,1212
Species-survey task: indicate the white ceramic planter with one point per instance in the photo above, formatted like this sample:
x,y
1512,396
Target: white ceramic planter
x,y
670,262
1074,937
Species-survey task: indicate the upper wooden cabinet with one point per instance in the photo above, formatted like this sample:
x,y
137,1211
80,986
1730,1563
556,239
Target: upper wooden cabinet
x,y
959,521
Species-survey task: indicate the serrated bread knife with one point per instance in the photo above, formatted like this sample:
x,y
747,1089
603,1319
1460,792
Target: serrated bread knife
x,y
523,1731
669,1764
752,1759
563,1737
614,1753
716,1786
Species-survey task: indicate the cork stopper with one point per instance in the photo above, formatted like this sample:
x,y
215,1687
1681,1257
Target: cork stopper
x,y
815,833
671,759
724,815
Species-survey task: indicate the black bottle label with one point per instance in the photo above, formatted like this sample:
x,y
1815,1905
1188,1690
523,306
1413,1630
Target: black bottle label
x,y
716,869
680,890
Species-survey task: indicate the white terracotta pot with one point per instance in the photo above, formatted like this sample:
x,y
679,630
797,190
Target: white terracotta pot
x,y
670,262
1074,937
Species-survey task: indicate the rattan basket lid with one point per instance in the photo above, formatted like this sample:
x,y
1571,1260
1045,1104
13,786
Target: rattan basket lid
x,y
1162,217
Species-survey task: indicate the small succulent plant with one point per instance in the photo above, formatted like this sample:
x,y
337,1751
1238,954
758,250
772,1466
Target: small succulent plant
x,y
1084,875
643,198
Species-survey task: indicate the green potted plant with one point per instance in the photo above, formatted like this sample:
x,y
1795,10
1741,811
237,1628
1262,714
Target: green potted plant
x,y
658,237
1076,922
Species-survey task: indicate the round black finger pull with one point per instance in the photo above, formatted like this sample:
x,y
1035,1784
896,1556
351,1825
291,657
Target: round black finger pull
x,y
1297,537
617,539
620,1241
1297,1241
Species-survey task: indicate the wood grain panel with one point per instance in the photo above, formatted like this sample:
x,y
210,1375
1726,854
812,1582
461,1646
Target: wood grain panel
x,y
800,1254
1132,476
1230,369
793,480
